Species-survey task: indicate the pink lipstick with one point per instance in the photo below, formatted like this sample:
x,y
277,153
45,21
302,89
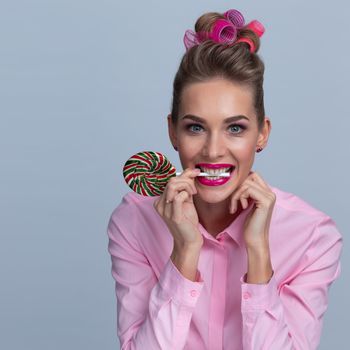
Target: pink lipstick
x,y
215,179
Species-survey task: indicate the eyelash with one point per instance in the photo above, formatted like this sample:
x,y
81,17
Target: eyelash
x,y
188,127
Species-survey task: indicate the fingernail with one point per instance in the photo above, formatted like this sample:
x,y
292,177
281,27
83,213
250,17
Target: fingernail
x,y
233,209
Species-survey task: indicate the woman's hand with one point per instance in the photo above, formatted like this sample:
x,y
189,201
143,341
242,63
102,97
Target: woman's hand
x,y
175,206
257,224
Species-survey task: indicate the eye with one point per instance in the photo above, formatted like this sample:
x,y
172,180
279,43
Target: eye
x,y
196,128
237,125
193,127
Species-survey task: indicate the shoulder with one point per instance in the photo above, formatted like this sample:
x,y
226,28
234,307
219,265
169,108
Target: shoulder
x,y
132,206
304,240
298,214
293,203
136,223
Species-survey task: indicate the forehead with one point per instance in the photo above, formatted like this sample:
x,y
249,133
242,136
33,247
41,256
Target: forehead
x,y
217,97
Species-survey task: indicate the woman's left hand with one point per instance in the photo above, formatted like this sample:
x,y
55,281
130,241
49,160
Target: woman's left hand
x,y
257,224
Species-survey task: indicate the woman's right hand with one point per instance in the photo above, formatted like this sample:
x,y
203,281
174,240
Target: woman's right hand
x,y
175,205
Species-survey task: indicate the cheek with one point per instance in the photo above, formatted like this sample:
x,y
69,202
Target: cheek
x,y
244,149
186,153
190,146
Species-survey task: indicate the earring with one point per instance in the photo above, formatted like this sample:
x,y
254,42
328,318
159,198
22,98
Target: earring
x,y
259,150
175,148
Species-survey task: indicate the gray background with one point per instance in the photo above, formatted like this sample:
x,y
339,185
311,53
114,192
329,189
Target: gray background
x,y
86,84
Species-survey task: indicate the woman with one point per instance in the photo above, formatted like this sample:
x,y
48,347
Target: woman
x,y
221,262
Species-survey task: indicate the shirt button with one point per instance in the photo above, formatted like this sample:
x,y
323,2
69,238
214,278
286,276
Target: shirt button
x,y
246,295
193,293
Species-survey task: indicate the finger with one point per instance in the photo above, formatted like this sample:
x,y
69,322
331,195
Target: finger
x,y
177,205
246,199
254,184
182,179
253,179
233,205
190,182
168,210
258,182
241,195
236,196
258,179
157,204
244,202
190,173
243,198
173,187
176,187
254,194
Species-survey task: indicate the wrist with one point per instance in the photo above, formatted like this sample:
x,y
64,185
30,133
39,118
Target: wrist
x,y
260,268
186,259
258,250
187,247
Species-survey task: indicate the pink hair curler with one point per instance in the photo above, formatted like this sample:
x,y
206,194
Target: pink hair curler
x,y
248,41
235,17
223,31
190,39
256,27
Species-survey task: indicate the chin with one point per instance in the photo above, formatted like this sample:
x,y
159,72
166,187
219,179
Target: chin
x,y
212,197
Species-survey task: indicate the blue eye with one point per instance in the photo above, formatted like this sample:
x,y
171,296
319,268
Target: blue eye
x,y
238,125
189,127
195,128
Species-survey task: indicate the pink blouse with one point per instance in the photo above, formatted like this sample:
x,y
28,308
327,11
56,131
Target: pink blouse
x,y
158,308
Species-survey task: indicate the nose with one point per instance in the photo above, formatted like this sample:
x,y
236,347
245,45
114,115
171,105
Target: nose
x,y
214,147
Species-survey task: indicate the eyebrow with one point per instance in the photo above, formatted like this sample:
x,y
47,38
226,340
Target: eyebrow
x,y
226,121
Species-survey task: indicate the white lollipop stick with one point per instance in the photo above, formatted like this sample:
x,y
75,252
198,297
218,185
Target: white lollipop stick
x,y
212,175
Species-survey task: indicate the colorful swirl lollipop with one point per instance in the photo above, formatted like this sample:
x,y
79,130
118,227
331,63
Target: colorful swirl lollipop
x,y
147,173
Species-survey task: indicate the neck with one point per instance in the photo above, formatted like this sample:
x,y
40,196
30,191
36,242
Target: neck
x,y
215,217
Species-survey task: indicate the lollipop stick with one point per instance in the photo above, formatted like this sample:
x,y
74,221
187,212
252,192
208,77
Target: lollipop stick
x,y
210,175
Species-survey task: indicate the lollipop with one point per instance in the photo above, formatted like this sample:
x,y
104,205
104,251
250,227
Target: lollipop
x,y
147,173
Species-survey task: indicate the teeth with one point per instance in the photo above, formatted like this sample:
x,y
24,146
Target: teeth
x,y
215,171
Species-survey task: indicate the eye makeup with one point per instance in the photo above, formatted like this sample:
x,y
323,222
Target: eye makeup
x,y
188,127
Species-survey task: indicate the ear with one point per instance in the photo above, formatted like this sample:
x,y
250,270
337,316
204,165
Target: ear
x,y
264,133
172,131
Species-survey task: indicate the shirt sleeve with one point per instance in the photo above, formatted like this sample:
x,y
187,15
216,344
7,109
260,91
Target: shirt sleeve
x,y
152,313
290,315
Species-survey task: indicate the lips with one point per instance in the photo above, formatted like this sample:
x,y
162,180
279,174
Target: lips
x,y
214,179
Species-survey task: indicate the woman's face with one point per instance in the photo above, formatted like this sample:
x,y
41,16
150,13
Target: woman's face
x,y
217,124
